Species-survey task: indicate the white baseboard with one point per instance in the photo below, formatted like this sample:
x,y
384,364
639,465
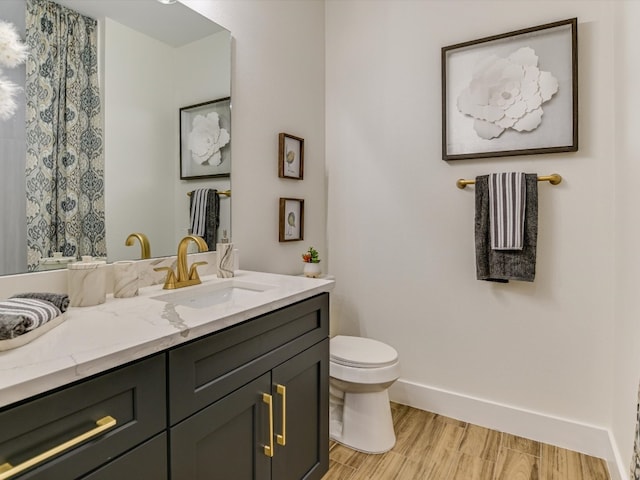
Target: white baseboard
x,y
576,436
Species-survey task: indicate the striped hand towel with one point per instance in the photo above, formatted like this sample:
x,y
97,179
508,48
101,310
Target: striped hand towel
x,y
198,211
60,300
21,315
507,201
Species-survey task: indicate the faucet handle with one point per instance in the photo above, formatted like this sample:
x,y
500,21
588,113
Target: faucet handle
x,y
170,281
193,271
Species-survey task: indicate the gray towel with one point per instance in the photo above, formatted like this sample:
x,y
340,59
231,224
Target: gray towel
x,y
213,220
504,265
21,315
60,300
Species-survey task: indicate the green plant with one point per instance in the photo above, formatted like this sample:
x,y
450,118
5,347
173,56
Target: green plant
x,y
310,256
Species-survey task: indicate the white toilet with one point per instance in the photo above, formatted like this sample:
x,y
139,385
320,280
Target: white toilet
x,y
361,370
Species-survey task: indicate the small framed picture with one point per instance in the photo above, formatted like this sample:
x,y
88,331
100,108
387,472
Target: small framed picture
x,y
291,219
290,156
205,140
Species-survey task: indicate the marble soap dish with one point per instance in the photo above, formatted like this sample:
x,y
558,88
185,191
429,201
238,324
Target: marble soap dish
x,y
31,335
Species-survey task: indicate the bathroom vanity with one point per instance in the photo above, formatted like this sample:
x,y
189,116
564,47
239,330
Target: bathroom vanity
x,y
150,388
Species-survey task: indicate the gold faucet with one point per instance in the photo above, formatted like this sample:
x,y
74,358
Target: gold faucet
x,y
144,244
184,279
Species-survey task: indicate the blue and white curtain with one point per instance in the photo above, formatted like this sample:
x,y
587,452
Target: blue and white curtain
x,y
634,474
65,159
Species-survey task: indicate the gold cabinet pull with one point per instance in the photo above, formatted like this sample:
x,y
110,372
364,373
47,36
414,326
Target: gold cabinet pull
x,y
282,439
268,449
103,424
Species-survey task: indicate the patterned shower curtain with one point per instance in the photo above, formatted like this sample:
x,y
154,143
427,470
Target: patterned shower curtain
x,y
65,160
634,474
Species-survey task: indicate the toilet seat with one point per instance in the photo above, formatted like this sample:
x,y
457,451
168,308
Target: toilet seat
x,y
361,352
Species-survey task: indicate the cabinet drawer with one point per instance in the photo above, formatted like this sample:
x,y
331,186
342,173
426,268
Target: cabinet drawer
x,y
133,395
210,368
148,461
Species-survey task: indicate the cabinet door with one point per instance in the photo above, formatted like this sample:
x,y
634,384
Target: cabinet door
x,y
225,440
301,396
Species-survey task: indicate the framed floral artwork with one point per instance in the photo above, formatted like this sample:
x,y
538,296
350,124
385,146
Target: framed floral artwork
x,y
511,94
291,219
205,140
290,156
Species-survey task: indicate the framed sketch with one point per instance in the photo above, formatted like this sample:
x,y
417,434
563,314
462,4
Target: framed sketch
x,y
205,140
511,94
290,156
291,219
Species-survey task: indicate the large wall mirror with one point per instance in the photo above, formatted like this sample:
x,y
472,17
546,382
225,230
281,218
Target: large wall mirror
x,y
153,60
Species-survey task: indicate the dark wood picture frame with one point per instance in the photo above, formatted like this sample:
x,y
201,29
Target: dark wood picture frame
x,y
290,156
555,45
291,219
190,169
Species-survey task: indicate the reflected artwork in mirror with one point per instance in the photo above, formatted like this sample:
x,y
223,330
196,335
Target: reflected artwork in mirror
x,y
152,60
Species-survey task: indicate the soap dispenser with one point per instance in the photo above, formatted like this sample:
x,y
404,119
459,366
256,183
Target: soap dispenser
x,y
225,263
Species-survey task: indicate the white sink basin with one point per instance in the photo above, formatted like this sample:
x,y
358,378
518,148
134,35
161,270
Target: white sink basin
x,y
207,295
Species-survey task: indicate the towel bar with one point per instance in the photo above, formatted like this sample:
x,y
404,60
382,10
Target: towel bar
x,y
553,179
226,192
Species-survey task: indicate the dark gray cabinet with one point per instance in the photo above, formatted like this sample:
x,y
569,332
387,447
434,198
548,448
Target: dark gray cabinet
x,y
146,462
225,440
260,396
301,415
273,427
249,402
131,397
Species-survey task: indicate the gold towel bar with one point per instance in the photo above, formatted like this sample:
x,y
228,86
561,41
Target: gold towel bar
x,y
553,179
220,192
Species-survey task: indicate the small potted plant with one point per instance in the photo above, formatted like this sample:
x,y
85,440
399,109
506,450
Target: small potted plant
x,y
311,263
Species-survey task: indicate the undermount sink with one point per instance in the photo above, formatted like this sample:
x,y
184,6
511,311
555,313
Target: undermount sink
x,y
207,295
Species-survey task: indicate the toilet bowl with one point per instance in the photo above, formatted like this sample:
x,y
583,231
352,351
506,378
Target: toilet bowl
x,y
360,372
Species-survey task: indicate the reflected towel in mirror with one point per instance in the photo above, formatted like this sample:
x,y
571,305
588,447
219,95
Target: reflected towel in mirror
x,y
204,214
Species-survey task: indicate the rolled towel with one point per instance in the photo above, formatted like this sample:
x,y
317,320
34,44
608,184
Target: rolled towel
x,y
21,315
60,300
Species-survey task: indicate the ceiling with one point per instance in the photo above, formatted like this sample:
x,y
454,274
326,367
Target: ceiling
x,y
150,17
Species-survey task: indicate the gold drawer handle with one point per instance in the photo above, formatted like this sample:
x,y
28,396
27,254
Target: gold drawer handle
x,y
282,439
8,471
268,449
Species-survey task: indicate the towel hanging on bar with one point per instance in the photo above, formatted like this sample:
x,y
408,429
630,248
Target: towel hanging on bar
x,y
504,265
507,201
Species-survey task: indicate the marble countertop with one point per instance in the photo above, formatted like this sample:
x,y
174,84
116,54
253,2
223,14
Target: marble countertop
x,y
95,339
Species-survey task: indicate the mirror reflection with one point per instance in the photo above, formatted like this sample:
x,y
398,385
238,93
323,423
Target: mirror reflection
x,y
121,174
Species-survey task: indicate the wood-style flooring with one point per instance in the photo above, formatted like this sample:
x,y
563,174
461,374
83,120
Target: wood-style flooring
x,y
433,447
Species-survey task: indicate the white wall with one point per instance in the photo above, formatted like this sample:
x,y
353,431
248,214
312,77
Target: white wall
x,y
277,86
400,234
627,169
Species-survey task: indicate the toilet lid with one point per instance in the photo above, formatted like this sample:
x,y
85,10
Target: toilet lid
x,y
361,352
